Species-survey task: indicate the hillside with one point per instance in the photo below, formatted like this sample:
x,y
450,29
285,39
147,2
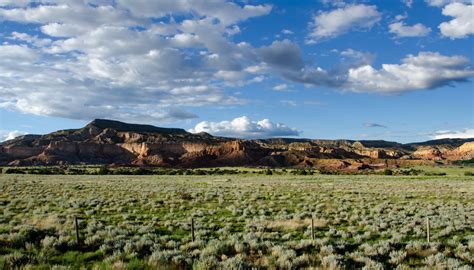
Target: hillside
x,y
117,143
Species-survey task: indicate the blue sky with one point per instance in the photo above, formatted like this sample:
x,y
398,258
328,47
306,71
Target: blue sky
x,y
396,70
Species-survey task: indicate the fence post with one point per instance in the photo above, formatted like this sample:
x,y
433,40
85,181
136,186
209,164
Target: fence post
x,y
312,228
192,228
428,229
77,230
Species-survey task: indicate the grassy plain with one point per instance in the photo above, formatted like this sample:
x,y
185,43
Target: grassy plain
x,y
241,221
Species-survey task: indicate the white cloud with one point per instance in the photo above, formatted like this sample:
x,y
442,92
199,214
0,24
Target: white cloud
x,y
257,79
13,3
5,136
339,21
243,127
440,3
155,61
289,103
426,70
437,3
336,3
104,58
17,53
463,23
401,17
256,69
287,32
357,58
226,12
280,87
450,134
408,3
402,30
32,40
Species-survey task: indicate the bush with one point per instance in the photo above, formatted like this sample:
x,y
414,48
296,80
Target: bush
x,y
17,259
409,172
300,172
468,173
13,171
435,173
142,171
387,172
103,171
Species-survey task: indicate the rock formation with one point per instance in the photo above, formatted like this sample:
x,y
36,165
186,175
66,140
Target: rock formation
x,y
116,143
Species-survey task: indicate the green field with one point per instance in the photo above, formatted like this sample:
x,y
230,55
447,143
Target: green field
x,y
241,221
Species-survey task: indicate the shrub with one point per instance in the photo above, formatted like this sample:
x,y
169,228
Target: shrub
x,y
397,256
206,263
142,171
387,172
103,170
16,259
13,171
468,173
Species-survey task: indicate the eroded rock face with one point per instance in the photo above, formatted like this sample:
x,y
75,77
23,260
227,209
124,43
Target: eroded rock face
x,y
429,153
463,152
443,152
21,151
112,142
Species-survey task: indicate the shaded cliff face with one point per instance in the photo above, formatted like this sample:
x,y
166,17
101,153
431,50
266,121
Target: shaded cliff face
x,y
112,142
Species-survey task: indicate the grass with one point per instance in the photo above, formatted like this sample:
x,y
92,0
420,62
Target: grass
x,y
450,170
241,221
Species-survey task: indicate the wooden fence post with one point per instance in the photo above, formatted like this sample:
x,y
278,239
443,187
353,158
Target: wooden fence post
x,y
428,229
312,228
77,230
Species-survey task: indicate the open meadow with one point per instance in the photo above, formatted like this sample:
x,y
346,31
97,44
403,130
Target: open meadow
x,y
240,222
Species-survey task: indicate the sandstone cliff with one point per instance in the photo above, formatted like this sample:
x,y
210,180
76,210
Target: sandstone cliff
x,y
112,142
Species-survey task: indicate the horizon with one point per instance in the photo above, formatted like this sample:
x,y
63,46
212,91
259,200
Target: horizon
x,y
252,138
398,71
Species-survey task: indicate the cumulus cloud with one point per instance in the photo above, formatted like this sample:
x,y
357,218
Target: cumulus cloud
x,y
463,23
440,3
243,127
5,135
357,58
408,3
13,3
285,58
450,134
402,30
339,21
156,61
123,59
282,55
226,12
426,70
280,87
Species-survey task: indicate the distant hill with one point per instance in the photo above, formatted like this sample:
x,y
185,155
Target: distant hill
x,y
452,142
124,127
116,143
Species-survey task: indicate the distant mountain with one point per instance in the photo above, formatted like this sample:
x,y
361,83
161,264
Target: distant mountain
x,y
116,143
124,127
452,142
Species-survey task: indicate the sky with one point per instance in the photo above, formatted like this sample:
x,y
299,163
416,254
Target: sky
x,y
398,70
